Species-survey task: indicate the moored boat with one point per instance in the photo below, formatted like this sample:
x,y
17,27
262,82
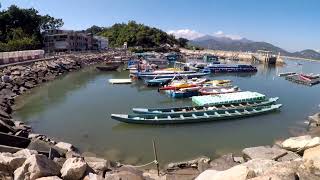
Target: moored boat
x,y
108,67
218,68
187,109
214,90
196,117
182,75
237,97
157,82
184,92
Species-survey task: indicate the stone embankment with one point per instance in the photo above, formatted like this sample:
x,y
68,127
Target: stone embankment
x,y
291,159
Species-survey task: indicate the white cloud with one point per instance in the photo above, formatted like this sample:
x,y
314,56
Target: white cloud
x,y
231,36
185,33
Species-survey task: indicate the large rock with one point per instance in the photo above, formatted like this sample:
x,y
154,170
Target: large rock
x,y
259,166
92,176
36,166
191,163
263,152
290,156
50,178
311,158
283,171
73,169
65,146
123,175
223,163
97,164
9,163
25,153
235,173
300,143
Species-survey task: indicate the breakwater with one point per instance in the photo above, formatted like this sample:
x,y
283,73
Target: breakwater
x,y
74,164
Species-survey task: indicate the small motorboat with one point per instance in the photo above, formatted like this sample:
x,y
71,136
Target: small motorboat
x,y
111,67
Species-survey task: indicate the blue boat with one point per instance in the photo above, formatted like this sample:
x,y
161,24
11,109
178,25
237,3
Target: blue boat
x,y
222,68
157,81
196,117
174,75
184,92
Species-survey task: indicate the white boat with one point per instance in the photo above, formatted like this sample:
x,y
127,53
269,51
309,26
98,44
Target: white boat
x,y
120,81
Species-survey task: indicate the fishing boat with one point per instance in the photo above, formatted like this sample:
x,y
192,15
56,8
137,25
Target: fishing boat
x,y
221,68
187,109
185,83
184,92
157,81
196,117
229,98
186,75
221,90
218,82
286,74
120,81
111,67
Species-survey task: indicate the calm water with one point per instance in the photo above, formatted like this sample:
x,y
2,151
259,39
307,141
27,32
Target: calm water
x,y
76,108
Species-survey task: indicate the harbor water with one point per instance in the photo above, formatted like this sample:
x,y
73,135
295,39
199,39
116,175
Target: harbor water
x,y
76,108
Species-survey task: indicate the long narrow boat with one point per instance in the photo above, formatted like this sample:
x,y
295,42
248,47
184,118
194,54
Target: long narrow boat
x,y
172,75
188,83
195,117
204,108
184,92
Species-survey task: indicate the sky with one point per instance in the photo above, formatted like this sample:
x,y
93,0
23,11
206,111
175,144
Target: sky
x,y
290,24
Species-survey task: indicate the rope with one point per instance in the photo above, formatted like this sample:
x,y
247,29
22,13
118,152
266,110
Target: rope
x,y
154,161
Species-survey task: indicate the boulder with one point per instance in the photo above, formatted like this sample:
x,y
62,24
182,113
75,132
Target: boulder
x,y
97,164
223,163
263,152
283,171
26,153
92,176
73,169
50,178
65,146
9,162
29,84
123,175
311,158
315,119
259,166
36,166
290,156
300,143
5,176
191,163
235,173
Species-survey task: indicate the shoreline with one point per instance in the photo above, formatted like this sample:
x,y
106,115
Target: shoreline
x,y
24,77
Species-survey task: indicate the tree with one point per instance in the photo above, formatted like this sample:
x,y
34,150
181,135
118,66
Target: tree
x,y
20,29
137,35
94,29
183,42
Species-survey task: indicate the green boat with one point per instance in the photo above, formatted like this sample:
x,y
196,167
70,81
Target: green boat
x,y
193,109
196,117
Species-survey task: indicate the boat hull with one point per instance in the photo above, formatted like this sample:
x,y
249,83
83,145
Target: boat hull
x,y
193,109
122,118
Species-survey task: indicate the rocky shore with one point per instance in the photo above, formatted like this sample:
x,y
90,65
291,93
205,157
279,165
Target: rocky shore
x,y
46,159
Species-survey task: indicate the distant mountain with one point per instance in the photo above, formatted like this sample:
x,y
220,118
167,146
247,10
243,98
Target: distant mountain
x,y
228,44
308,53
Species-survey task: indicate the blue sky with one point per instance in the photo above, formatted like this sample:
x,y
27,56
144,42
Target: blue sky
x,y
290,24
